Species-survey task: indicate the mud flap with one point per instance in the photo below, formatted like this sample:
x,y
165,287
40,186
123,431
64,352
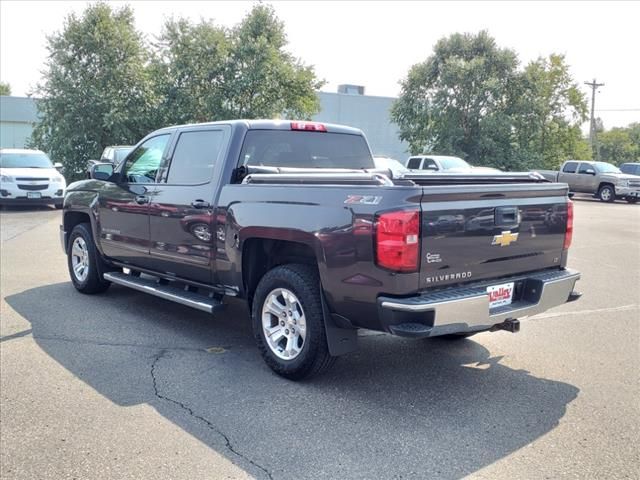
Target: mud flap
x,y
340,340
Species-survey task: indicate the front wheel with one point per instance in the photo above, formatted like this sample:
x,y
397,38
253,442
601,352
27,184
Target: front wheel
x,y
606,194
84,261
288,324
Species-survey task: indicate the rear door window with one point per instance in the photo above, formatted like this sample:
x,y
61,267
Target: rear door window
x,y
299,149
195,156
570,167
429,164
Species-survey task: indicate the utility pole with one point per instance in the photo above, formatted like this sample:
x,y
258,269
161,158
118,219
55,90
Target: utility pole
x,y
593,135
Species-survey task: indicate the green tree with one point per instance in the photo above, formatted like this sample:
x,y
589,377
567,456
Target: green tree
x,y
456,101
5,88
548,109
470,99
620,145
205,72
189,67
96,89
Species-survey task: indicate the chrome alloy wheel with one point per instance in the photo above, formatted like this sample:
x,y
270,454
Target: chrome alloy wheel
x,y
283,323
80,259
605,194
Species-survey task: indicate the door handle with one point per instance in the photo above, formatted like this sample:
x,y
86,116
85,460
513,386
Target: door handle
x,y
506,216
200,204
141,199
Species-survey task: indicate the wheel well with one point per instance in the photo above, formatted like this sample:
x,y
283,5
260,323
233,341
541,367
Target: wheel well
x,y
605,184
71,219
259,255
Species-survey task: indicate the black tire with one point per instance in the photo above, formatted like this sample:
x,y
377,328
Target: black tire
x,y
303,282
456,336
607,194
58,206
632,200
93,282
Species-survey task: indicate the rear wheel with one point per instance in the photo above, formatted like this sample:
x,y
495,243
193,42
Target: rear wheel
x,y
456,336
288,324
84,262
606,194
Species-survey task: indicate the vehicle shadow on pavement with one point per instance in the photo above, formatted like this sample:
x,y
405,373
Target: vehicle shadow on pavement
x,y
395,409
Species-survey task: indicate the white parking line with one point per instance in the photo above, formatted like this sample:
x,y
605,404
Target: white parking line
x,y
622,308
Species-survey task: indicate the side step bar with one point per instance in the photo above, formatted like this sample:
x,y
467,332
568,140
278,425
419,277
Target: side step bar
x,y
168,292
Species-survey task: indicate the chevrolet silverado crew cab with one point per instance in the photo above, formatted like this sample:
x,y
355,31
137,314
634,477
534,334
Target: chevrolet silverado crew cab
x,y
603,180
294,218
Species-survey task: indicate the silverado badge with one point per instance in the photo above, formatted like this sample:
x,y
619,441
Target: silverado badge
x,y
505,238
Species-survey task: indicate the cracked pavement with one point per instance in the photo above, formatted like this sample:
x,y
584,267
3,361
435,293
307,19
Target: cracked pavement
x,y
123,385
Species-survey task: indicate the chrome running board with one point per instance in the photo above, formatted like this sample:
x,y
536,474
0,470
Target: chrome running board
x,y
189,298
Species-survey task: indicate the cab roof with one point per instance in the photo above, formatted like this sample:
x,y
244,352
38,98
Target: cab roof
x,y
269,124
20,151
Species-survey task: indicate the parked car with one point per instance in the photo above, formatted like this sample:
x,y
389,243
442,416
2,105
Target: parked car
x,y
397,169
630,168
444,163
604,180
289,217
28,177
113,154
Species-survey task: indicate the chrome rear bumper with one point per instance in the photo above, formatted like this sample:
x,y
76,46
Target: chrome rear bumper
x,y
466,309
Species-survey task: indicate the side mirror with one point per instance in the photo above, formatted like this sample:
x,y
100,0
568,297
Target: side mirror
x,y
101,171
590,171
57,165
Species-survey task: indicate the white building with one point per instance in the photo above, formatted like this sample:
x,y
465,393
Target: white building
x,y
369,114
18,116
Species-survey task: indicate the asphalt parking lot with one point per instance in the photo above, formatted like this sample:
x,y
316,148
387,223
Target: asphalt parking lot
x,y
123,385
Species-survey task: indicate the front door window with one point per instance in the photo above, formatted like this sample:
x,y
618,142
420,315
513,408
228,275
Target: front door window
x,y
143,163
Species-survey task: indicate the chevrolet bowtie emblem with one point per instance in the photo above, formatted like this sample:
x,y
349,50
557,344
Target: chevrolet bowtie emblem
x,y
504,239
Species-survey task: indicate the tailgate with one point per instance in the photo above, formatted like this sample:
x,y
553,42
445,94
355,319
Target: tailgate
x,y
476,232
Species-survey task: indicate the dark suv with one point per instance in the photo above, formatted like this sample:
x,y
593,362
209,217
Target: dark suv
x,y
630,168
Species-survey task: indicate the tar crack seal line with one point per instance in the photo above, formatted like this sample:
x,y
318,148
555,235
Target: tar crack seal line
x,y
187,409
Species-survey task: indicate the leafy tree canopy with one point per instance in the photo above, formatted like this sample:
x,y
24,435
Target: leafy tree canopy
x,y
207,72
5,88
96,89
470,99
103,85
620,145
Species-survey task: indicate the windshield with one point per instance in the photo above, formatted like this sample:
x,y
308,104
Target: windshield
x,y
450,163
24,160
120,154
604,167
296,149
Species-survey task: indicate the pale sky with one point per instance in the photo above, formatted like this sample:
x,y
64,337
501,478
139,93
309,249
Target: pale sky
x,y
375,43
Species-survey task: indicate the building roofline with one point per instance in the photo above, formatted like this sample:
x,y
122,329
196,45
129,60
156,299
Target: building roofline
x,y
354,95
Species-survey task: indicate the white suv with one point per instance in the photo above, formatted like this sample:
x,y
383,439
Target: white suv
x,y
27,177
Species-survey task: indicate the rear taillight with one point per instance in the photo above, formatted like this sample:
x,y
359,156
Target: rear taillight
x,y
568,236
397,240
308,126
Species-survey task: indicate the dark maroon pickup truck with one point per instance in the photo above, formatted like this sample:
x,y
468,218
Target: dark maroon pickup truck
x,y
294,218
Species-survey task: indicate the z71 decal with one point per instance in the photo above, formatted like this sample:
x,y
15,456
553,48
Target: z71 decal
x,y
362,200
